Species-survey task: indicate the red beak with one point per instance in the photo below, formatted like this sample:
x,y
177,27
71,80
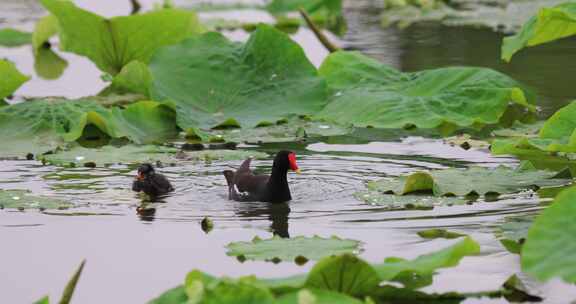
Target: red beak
x,y
292,161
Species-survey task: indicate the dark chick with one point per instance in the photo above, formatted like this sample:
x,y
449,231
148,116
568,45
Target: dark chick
x,y
150,182
243,185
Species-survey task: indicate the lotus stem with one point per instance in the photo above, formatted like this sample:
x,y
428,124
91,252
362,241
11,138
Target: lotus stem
x,y
318,33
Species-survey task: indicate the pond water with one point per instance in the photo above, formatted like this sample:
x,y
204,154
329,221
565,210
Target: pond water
x,y
133,255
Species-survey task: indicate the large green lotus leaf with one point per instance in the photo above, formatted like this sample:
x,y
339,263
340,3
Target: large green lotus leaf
x,y
113,43
551,242
145,122
316,296
418,272
213,81
406,202
312,248
11,37
367,93
288,131
345,274
11,78
22,199
239,292
548,25
37,126
461,182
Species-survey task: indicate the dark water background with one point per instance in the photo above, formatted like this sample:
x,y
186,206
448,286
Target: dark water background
x,y
133,257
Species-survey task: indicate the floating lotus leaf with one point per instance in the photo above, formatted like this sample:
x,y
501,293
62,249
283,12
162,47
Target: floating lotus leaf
x,y
519,129
406,202
439,233
108,155
548,25
113,43
512,233
11,37
312,248
130,154
558,134
220,155
289,131
213,81
22,199
365,93
462,182
551,241
11,78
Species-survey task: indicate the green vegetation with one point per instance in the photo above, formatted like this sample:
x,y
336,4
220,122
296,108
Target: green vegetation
x,y
343,277
279,249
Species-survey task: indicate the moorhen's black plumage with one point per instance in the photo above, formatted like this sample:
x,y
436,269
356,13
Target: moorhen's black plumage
x,y
150,182
243,185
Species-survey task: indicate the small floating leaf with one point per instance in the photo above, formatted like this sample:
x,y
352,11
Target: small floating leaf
x,y
312,248
219,155
439,233
107,155
22,199
11,37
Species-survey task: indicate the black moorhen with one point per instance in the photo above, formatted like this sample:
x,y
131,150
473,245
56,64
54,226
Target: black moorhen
x,y
243,185
150,182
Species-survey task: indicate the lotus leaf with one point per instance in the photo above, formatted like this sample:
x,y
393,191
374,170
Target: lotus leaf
x,y
406,202
512,233
312,248
113,43
22,199
345,274
220,155
48,64
550,244
548,25
439,233
558,134
288,131
519,129
366,93
213,81
11,37
133,78
108,155
316,296
326,12
11,78
40,125
396,269
44,29
462,182
332,278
